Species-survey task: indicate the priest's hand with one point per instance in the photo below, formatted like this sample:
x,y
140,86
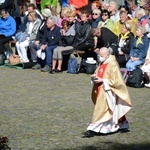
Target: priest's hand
x,y
98,80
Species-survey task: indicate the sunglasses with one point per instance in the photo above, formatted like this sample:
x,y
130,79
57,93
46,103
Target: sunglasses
x,y
94,14
104,14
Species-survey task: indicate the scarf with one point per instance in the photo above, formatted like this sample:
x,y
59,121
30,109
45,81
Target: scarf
x,y
125,36
139,41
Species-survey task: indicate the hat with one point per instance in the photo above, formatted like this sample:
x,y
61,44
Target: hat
x,y
40,54
90,60
46,12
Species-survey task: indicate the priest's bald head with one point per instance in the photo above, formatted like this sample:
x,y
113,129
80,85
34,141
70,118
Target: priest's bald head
x,y
104,54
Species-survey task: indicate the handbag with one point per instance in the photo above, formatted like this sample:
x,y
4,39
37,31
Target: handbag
x,y
14,59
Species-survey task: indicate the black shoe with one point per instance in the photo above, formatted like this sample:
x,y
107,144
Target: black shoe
x,y
88,134
58,71
52,71
124,130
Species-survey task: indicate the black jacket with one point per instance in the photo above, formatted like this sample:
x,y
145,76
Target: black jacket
x,y
8,5
68,39
41,30
83,34
127,44
108,39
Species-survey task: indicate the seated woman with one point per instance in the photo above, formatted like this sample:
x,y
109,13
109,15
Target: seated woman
x,y
138,50
143,19
31,30
33,45
67,37
106,21
146,68
96,18
125,42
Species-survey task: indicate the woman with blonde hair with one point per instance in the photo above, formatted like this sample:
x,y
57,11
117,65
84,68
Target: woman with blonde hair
x,y
138,49
125,41
30,32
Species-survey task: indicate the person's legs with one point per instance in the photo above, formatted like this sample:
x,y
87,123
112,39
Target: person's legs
x,y
121,60
3,40
131,65
18,50
55,57
147,76
49,54
32,48
23,46
59,64
60,56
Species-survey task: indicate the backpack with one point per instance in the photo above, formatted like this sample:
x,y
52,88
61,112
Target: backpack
x,y
135,78
72,66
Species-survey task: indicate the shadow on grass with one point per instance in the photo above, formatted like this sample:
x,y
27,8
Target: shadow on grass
x,y
112,146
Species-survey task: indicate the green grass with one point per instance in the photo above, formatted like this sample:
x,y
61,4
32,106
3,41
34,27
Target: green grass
x,y
40,111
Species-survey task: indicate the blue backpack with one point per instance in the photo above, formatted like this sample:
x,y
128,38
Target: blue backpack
x,y
72,66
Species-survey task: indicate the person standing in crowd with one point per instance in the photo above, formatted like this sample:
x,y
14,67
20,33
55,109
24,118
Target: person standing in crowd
x,y
7,29
110,97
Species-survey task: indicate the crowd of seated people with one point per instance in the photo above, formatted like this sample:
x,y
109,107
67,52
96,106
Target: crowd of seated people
x,y
122,26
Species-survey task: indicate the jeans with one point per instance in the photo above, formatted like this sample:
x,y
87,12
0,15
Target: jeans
x,y
49,55
131,65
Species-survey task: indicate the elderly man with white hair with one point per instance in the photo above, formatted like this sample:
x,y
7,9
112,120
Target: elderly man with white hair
x,y
49,42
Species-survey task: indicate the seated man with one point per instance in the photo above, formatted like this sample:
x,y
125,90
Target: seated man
x,y
124,18
49,42
7,29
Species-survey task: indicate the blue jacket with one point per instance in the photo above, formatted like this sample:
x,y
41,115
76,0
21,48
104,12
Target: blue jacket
x,y
51,37
7,26
140,50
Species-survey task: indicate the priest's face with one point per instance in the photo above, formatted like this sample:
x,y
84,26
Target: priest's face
x,y
104,54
